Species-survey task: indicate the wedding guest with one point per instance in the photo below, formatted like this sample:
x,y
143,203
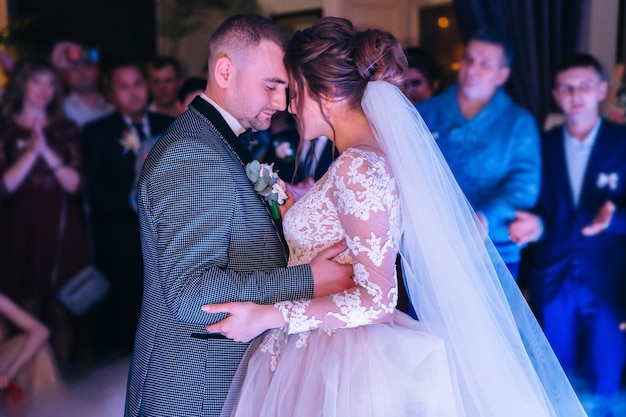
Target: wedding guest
x,y
192,87
299,163
42,224
424,78
111,145
576,267
80,70
164,80
490,143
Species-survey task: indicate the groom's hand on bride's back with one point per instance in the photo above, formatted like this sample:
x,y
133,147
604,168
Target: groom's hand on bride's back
x,y
330,276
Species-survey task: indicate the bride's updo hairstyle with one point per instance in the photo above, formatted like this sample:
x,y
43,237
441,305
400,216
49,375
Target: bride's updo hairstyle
x,y
332,59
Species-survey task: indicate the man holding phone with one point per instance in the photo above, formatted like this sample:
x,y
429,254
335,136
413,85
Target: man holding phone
x,y
80,71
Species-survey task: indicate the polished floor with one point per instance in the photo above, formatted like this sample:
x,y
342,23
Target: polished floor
x,y
101,393
96,393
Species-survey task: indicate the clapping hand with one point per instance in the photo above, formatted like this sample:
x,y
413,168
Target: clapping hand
x,y
601,221
525,228
38,143
245,321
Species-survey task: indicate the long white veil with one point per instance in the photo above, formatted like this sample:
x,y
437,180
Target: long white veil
x,y
458,284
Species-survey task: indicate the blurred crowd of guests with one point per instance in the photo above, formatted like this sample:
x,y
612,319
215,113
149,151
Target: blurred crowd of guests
x,y
73,140
71,143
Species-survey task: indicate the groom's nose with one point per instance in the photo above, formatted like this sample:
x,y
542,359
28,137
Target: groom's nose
x,y
279,99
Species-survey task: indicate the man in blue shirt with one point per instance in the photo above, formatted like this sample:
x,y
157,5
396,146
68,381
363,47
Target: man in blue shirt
x,y
490,143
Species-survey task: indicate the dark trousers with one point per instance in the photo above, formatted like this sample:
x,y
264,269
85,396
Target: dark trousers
x,y
585,335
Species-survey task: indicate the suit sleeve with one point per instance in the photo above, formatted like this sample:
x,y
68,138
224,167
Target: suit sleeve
x,y
191,200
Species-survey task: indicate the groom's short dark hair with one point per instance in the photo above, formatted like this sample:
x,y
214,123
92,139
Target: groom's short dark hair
x,y
246,31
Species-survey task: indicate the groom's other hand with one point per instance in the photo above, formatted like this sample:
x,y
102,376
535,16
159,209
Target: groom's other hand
x,y
330,276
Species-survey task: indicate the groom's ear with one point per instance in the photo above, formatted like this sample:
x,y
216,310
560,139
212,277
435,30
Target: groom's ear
x,y
223,71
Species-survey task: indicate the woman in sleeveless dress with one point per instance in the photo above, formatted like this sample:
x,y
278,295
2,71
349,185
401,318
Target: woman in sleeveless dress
x,y
476,351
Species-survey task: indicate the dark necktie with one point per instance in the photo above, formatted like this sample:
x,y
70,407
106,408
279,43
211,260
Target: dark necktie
x,y
140,132
306,168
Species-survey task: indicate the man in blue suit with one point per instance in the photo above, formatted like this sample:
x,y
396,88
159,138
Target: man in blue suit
x,y
577,267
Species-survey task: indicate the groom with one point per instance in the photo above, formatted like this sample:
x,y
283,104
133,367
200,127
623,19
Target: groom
x,y
207,236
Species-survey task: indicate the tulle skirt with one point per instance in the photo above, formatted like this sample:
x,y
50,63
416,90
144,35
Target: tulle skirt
x,y
385,369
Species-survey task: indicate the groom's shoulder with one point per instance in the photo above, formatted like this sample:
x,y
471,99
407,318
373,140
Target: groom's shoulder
x,y
190,125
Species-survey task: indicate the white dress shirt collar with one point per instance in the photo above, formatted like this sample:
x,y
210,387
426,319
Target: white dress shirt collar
x,y
230,120
577,154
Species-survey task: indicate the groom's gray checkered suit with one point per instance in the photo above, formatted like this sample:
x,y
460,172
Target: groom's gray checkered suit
x,y
207,237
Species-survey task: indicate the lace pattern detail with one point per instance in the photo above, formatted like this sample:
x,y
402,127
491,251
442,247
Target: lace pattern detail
x,y
355,201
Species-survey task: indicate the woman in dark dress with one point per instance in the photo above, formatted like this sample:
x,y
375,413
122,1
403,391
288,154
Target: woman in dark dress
x,y
40,196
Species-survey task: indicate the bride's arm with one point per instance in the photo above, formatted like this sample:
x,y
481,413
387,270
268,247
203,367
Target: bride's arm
x,y
363,199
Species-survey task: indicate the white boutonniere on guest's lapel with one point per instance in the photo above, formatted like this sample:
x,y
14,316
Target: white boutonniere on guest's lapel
x,y
130,141
284,151
268,185
21,144
608,180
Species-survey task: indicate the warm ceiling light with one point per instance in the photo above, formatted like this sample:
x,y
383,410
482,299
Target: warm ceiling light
x,y
443,22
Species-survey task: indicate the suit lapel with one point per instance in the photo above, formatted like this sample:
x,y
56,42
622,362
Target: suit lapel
x,y
214,117
600,152
557,164
222,127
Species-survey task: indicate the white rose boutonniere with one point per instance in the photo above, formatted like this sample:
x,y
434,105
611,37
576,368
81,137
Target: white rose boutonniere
x,y
130,141
268,185
610,180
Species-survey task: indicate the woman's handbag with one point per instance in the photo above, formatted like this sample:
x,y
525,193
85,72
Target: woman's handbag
x,y
86,288
83,290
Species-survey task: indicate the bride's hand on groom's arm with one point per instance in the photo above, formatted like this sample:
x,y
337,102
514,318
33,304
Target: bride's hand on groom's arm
x,y
245,321
329,276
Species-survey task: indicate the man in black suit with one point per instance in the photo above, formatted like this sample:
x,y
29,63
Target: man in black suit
x,y
299,170
111,145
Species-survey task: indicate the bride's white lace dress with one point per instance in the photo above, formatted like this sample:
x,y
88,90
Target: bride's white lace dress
x,y
350,354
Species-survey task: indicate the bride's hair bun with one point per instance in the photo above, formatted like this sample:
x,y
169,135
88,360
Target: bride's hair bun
x,y
379,57
333,59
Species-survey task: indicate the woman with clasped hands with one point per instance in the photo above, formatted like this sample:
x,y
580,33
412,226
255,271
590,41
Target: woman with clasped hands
x,y
42,224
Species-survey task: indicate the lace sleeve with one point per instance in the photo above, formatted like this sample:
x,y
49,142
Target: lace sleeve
x,y
364,196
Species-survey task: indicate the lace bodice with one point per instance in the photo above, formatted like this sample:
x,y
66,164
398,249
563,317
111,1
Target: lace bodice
x,y
357,200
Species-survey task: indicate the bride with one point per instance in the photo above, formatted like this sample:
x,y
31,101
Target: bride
x,y
477,349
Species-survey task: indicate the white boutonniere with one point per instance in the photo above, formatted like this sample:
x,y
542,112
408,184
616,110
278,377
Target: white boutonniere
x,y
268,185
610,180
130,141
21,144
284,151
